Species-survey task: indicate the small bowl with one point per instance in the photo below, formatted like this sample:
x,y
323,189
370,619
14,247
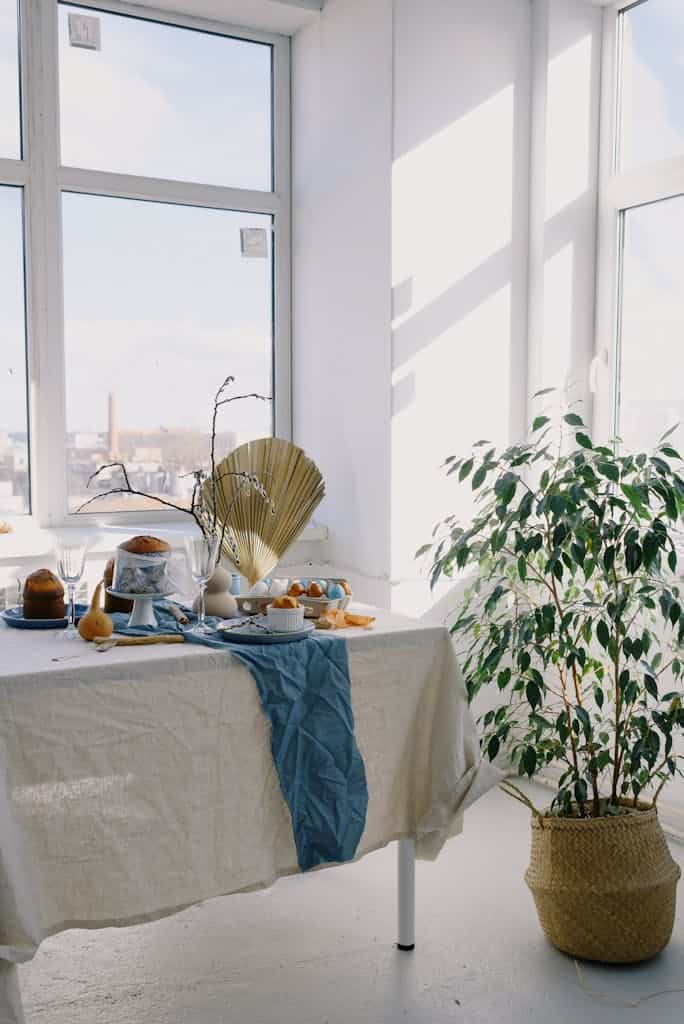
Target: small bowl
x,y
285,620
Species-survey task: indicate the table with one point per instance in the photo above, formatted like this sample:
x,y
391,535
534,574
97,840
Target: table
x,y
138,782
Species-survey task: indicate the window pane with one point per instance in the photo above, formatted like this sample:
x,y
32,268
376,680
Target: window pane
x,y
14,448
652,82
166,102
10,133
652,351
160,307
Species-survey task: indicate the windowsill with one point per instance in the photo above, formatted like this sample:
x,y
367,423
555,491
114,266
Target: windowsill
x,y
28,541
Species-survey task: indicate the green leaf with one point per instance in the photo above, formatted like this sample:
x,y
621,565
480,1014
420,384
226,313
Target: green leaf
x,y
423,550
583,716
465,469
599,697
533,695
529,760
609,469
634,497
505,486
549,391
493,747
522,568
539,422
479,477
574,420
603,634
583,440
651,685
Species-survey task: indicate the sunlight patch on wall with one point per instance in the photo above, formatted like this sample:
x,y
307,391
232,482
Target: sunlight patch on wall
x,y
568,125
452,199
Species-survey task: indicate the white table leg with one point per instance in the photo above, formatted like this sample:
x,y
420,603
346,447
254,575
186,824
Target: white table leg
x,y
407,894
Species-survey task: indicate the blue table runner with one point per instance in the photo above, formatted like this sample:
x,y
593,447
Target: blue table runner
x,y
305,693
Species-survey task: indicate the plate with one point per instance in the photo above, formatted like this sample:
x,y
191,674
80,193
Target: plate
x,y
248,633
140,597
14,617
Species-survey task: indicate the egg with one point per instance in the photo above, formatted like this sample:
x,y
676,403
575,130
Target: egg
x,y
278,587
259,589
296,589
335,592
345,586
323,584
304,583
315,590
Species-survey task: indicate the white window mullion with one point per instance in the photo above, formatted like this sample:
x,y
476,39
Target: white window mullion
x,y
282,242
160,190
44,261
13,172
602,377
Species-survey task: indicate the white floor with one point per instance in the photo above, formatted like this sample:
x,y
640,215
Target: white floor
x,y
319,950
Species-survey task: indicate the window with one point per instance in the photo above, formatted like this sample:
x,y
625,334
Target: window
x,y
156,223
641,310
10,119
14,447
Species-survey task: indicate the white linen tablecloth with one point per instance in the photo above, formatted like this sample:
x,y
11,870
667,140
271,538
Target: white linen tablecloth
x,y
140,781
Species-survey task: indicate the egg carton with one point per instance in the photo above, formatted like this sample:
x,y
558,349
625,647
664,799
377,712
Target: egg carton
x,y
256,602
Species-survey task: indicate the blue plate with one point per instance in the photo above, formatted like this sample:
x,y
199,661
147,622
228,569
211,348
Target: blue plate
x,y
14,617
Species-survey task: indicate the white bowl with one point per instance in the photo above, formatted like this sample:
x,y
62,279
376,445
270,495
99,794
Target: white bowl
x,y
285,620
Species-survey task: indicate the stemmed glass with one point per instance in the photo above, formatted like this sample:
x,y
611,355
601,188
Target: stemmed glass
x,y
71,558
202,554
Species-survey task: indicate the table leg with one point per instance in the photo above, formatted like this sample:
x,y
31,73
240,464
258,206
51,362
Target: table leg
x,y
407,894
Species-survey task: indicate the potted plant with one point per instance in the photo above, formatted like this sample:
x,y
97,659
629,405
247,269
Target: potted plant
x,y
575,619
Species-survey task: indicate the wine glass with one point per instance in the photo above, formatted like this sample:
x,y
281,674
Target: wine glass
x,y
71,558
202,554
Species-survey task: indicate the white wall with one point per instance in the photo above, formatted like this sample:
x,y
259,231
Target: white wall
x,y
564,167
460,245
342,95
410,151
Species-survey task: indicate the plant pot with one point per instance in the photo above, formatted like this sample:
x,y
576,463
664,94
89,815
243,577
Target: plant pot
x,y
604,888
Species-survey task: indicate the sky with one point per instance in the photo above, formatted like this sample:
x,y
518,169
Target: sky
x,y
160,305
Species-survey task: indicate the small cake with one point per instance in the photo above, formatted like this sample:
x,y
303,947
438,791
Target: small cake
x,y
111,603
285,602
141,566
43,596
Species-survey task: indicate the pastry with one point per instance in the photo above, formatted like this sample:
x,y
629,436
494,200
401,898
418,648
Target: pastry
x,y
285,602
141,566
111,603
43,596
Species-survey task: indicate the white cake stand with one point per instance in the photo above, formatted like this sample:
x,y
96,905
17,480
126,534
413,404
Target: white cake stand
x,y
143,606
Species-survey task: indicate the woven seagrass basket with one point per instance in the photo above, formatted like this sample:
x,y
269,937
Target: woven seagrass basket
x,y
604,888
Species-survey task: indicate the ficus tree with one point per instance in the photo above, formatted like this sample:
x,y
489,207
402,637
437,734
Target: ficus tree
x,y
575,612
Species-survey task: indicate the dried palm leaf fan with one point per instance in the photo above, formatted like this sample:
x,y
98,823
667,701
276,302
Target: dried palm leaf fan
x,y
262,531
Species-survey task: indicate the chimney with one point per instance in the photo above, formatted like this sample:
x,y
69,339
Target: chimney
x,y
113,429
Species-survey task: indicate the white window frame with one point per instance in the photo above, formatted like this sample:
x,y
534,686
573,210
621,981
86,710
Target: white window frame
x,y
619,192
43,180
